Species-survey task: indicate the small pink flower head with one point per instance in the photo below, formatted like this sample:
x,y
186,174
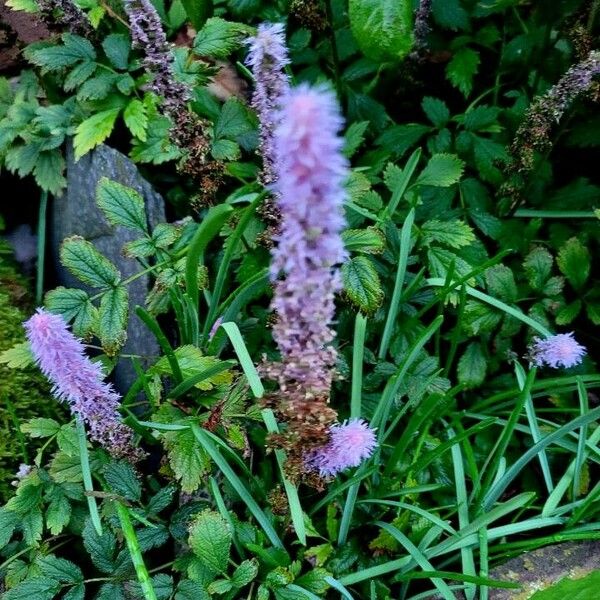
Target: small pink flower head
x,y
561,350
350,444
215,328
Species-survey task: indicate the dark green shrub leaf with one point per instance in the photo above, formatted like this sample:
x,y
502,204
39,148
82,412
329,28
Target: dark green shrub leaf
x,y
101,548
210,540
8,522
198,11
501,283
87,264
361,284
567,314
538,266
436,110
136,119
116,46
112,319
121,205
574,262
40,427
462,69
40,588
60,569
218,38
94,130
367,241
442,170
455,233
472,366
245,573
74,305
122,479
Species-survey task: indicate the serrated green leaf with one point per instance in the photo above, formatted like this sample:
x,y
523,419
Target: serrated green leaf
x,y
111,591
593,312
17,357
462,69
354,137
121,205
225,150
40,588
98,87
218,38
77,592
74,305
65,468
116,46
187,459
82,259
122,479
574,262
455,233
8,523
29,6
538,266
101,548
436,110
136,119
48,171
94,130
210,540
59,569
191,590
161,500
361,284
198,11
40,427
158,147
450,14
55,58
141,248
501,283
58,513
383,29
232,121
442,170
366,241
79,75
472,366
112,319
245,573
32,525
568,313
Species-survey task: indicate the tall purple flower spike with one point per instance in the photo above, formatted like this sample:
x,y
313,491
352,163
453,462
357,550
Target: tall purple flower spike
x,y
268,57
561,350
310,194
79,382
349,445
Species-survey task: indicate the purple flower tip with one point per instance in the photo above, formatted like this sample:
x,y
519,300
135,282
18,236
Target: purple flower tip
x,y
350,443
561,350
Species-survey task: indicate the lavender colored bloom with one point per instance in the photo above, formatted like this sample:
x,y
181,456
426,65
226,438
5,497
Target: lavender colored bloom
x,y
310,194
561,350
422,28
79,381
350,444
69,15
148,35
268,57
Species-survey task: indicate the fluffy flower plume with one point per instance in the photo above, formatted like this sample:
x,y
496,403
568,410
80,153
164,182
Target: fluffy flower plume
x,y
267,57
309,190
148,35
561,350
350,443
79,381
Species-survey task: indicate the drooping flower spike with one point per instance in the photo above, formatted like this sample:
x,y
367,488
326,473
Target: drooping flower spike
x,y
79,382
561,350
349,445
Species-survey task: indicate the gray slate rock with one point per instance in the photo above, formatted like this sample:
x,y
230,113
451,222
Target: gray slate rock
x,y
76,213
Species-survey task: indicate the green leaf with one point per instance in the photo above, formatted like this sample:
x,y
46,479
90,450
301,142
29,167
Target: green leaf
x,y
136,119
55,58
82,259
48,171
461,70
450,14
436,110
29,6
17,357
74,305
141,248
111,591
121,205
472,366
220,586
501,283
94,130
245,573
366,241
383,29
593,312
58,513
66,468
538,266
361,284
40,588
455,233
574,262
233,120
218,38
158,147
191,590
442,170
225,150
112,319
354,137
198,11
567,314
8,523
32,524
579,588
122,479
116,46
101,548
97,88
40,427
210,540
60,569
77,76
77,592
187,459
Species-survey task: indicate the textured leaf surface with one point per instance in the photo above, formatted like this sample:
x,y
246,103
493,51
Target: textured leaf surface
x,y
210,540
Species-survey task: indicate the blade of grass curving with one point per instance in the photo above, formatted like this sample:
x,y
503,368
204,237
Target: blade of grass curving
x,y
41,247
232,243
237,485
237,341
302,591
462,505
402,184
581,510
190,382
515,469
510,310
87,477
418,557
334,583
497,583
135,552
163,426
443,525
555,214
490,469
580,457
209,227
220,502
381,415
400,275
431,593
152,324
533,425
291,491
484,564
358,353
347,514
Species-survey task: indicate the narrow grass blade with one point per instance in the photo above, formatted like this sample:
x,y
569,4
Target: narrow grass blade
x,y
554,214
152,324
334,583
509,310
220,502
533,425
358,353
291,491
580,457
135,552
400,275
347,513
497,583
515,469
484,564
300,590
243,355
190,382
237,485
87,477
402,184
41,247
419,558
